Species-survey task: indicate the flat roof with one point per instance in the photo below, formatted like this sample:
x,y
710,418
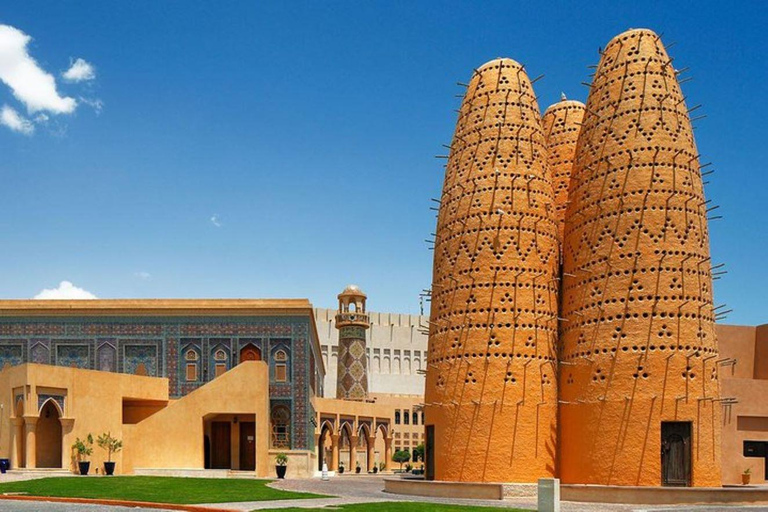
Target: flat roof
x,y
154,307
164,307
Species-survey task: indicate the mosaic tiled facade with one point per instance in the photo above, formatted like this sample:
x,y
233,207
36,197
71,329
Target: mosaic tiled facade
x,y
158,347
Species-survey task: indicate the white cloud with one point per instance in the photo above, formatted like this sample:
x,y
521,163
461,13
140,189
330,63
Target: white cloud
x,y
144,276
13,120
96,104
31,85
215,220
79,71
65,291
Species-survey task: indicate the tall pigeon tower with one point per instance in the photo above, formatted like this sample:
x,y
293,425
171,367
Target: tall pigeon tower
x,y
562,124
639,364
352,366
491,389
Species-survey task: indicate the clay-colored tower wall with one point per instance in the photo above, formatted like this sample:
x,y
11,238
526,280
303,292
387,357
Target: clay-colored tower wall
x,y
638,339
562,124
352,367
491,390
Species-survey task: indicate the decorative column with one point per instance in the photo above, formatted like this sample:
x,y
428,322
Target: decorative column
x,y
67,424
334,452
17,443
30,423
371,447
352,367
353,452
388,453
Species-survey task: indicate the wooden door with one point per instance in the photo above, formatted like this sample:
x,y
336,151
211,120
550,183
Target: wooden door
x,y
221,445
429,449
676,453
250,353
247,445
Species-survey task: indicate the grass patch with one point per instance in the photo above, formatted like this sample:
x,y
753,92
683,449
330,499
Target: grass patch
x,y
401,506
158,489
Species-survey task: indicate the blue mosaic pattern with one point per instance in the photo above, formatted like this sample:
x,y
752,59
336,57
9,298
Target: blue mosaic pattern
x,y
75,356
11,355
136,355
41,399
120,344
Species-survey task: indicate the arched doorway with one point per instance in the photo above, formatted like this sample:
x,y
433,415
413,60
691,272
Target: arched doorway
x,y
323,450
364,448
48,435
345,445
250,352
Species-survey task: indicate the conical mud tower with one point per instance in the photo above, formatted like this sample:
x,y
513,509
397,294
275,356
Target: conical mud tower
x,y
562,124
638,374
491,391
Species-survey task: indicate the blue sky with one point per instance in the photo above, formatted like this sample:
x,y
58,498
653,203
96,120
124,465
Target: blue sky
x,y
309,130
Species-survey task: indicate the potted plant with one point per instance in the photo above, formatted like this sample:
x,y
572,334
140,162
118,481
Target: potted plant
x,y
746,476
341,468
358,469
281,464
382,466
83,449
375,469
112,445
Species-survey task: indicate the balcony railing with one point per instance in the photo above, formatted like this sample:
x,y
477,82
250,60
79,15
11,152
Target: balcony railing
x,y
352,317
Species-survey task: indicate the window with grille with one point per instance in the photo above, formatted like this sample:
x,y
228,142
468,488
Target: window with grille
x,y
281,427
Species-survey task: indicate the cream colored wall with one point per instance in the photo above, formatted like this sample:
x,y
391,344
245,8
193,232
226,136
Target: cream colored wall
x,y
173,437
396,348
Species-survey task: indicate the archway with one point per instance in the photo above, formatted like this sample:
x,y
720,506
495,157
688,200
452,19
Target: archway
x,y
48,436
365,447
345,442
323,451
250,352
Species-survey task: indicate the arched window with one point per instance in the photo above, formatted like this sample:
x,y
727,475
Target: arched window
x,y
219,362
191,357
281,365
397,416
281,427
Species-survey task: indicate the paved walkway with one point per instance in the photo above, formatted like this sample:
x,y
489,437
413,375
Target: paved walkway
x,y
368,489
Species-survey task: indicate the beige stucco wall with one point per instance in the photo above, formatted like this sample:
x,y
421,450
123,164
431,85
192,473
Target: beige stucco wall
x,y
92,404
173,437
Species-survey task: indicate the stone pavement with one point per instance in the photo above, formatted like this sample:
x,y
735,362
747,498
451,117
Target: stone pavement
x,y
367,489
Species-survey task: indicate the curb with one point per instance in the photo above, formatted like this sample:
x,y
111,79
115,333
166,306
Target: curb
x,y
115,503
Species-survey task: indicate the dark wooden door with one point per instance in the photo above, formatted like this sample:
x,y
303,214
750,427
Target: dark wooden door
x,y
676,453
247,445
221,445
250,353
429,449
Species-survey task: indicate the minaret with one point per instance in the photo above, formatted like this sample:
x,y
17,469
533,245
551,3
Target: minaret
x,y
352,366
638,385
491,389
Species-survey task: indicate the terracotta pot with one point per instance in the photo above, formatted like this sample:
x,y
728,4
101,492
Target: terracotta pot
x,y
745,478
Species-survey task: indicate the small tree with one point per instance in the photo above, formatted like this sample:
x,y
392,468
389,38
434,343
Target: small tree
x,y
401,456
83,448
419,453
109,443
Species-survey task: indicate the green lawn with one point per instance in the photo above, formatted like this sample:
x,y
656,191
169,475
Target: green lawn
x,y
155,488
401,506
